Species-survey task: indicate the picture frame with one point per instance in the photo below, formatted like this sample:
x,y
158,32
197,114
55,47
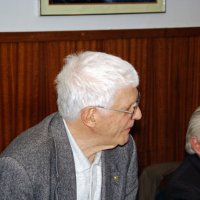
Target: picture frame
x,y
99,7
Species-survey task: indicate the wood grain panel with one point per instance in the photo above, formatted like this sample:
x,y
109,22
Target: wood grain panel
x,y
7,101
167,60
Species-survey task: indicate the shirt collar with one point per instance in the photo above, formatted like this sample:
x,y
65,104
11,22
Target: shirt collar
x,y
81,161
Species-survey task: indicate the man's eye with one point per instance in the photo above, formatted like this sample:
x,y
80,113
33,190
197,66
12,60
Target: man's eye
x,y
130,108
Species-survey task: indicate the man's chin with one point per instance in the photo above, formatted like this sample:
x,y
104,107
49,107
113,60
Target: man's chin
x,y
124,141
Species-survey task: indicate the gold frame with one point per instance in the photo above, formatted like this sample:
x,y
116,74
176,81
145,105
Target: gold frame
x,y
100,8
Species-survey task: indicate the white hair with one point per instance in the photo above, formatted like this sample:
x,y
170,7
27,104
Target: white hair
x,y
91,79
193,130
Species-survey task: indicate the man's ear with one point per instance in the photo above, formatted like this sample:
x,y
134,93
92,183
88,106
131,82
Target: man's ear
x,y
88,116
195,143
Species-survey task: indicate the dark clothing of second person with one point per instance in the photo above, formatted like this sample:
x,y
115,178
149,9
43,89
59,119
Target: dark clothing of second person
x,y
185,182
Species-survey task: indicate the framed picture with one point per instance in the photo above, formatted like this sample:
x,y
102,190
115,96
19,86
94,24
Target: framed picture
x,y
98,7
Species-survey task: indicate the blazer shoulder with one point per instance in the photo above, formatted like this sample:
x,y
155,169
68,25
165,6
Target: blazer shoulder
x,y
32,140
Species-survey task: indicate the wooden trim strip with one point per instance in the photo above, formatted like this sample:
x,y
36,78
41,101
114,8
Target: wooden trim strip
x,y
97,34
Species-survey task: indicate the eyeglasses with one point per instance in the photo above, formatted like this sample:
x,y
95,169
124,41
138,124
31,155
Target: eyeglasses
x,y
132,110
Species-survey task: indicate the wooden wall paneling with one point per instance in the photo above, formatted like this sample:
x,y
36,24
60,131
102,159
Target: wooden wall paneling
x,y
51,63
138,57
7,92
86,45
194,68
167,60
179,83
27,85
155,88
164,88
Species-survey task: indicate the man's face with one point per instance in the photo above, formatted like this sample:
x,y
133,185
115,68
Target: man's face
x,y
113,127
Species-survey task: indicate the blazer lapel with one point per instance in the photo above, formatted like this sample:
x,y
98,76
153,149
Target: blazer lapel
x,y
112,179
65,166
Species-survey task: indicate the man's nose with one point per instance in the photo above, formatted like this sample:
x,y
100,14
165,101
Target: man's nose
x,y
137,115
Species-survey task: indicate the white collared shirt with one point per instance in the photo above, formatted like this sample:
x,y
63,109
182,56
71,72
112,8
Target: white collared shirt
x,y
88,176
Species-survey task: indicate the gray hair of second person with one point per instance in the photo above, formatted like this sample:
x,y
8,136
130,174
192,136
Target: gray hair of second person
x,y
91,79
193,130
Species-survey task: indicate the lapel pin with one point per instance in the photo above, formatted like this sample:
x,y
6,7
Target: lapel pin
x,y
116,178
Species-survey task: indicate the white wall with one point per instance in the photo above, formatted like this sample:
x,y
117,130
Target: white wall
x,y
24,15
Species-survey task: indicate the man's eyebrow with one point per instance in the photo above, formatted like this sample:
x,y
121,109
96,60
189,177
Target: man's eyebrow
x,y
130,105
135,102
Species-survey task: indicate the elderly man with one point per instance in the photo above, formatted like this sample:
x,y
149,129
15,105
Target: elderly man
x,y
185,183
84,151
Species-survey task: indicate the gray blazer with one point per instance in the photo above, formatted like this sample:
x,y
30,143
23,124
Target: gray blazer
x,y
39,165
